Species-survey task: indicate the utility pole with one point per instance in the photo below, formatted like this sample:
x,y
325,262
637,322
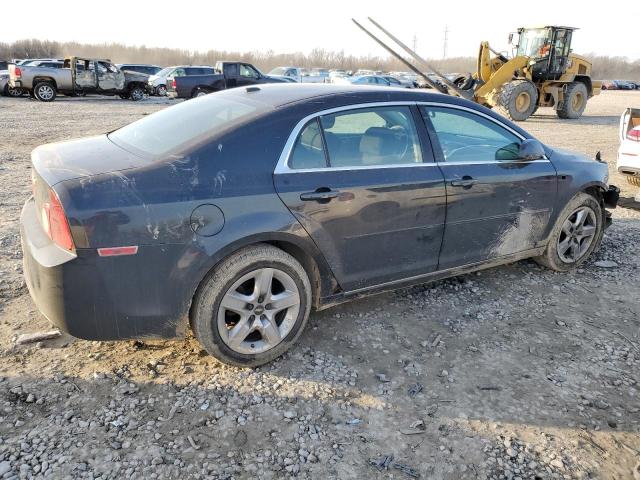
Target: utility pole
x,y
445,42
415,43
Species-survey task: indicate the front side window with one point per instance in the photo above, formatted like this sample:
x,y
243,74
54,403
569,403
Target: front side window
x,y
308,151
468,137
371,137
247,71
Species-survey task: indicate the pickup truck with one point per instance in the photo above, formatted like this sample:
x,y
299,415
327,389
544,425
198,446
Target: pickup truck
x,y
78,76
302,75
228,75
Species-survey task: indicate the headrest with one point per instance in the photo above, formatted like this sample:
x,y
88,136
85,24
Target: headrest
x,y
328,122
381,142
311,138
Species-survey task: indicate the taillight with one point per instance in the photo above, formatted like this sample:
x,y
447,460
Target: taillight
x,y
634,134
17,72
173,83
55,223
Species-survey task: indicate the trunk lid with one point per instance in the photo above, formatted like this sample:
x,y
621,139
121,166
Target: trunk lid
x,y
57,162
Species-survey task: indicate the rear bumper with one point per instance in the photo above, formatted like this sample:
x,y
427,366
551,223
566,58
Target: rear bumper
x,y
15,83
101,298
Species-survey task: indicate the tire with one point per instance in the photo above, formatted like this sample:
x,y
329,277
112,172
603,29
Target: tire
x,y
136,93
234,280
633,180
199,92
161,90
518,100
44,91
575,101
12,92
552,258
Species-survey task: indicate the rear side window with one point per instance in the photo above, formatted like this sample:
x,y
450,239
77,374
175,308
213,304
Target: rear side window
x,y
468,137
371,137
308,151
174,129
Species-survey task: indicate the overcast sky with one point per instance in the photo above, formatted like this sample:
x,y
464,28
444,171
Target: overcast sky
x,y
289,25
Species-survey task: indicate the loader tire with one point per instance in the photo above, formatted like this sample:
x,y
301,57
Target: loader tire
x,y
575,101
518,100
633,180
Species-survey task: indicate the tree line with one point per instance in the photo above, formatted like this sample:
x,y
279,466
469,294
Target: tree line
x,y
604,67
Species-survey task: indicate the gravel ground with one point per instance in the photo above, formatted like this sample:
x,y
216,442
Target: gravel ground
x,y
511,373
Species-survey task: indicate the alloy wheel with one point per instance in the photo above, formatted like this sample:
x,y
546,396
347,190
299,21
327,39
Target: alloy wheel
x,y
258,311
45,92
577,235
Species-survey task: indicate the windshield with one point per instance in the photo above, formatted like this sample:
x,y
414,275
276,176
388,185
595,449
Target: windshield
x,y
278,71
164,71
532,42
174,129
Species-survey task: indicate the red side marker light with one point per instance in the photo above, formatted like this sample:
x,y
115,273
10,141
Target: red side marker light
x,y
118,251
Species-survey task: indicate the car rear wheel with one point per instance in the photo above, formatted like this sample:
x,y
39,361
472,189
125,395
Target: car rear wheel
x,y
199,92
161,90
576,234
44,91
13,92
252,307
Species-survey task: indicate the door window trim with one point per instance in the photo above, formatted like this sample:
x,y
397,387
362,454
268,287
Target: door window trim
x,y
283,162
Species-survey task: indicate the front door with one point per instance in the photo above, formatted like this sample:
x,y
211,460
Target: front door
x,y
247,75
110,78
497,204
85,75
368,193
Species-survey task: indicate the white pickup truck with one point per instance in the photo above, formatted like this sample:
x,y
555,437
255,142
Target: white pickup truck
x,y
301,75
629,151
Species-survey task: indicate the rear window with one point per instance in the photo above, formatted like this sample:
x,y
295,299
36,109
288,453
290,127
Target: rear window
x,y
175,129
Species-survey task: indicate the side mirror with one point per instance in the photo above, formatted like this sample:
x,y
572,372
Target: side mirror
x,y
531,149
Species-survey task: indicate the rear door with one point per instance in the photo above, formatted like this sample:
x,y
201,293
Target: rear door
x,y
497,204
369,193
110,78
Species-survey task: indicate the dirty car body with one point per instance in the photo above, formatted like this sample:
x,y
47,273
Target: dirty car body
x,y
378,195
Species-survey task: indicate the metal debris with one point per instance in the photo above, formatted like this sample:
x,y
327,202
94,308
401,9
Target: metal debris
x,y
415,389
37,337
382,463
407,470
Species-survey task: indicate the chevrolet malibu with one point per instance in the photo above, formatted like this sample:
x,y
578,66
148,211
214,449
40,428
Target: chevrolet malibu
x,y
237,213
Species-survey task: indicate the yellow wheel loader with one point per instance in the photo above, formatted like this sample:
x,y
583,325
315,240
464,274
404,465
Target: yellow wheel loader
x,y
543,73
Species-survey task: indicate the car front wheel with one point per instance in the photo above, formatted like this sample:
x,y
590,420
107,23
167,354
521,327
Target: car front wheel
x,y
576,234
252,307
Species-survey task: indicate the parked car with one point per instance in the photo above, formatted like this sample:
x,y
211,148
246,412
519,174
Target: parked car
x,y
4,65
238,212
300,74
625,85
228,75
609,85
157,84
399,82
5,89
629,152
79,75
139,67
377,80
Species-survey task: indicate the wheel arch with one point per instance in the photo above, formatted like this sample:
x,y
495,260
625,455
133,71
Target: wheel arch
x,y
40,78
323,282
587,83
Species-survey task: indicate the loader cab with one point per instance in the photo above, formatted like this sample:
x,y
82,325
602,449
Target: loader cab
x,y
548,48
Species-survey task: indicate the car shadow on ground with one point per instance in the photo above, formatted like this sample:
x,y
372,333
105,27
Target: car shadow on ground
x,y
629,202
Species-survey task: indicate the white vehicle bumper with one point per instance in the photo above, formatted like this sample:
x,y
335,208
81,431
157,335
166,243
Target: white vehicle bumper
x,y
629,158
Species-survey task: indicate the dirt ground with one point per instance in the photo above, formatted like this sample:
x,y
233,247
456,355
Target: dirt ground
x,y
512,373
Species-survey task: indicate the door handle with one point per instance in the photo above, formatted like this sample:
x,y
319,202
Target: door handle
x,y
322,195
466,182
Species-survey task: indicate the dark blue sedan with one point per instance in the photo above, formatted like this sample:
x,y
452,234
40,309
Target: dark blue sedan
x,y
238,212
